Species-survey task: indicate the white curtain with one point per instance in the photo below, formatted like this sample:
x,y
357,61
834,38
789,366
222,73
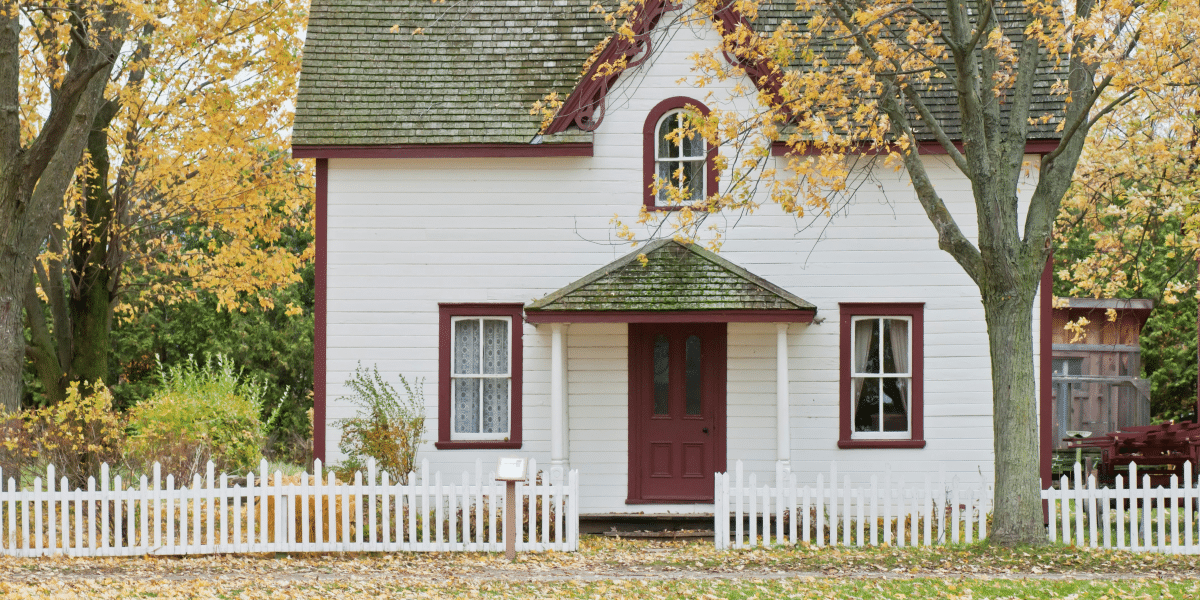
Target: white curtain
x,y
898,336
863,331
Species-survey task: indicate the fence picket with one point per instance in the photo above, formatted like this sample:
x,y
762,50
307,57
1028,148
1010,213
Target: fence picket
x,y
807,515
1174,541
753,521
887,506
793,520
1107,524
1147,530
1189,494
370,503
741,495
874,510
859,496
819,522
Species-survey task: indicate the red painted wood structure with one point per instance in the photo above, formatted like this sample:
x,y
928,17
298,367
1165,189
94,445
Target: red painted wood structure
x,y
1159,450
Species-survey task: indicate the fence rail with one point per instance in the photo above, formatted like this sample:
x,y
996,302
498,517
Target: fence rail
x,y
305,513
1139,518
869,513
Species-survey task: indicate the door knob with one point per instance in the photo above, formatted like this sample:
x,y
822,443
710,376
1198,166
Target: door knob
x,y
705,430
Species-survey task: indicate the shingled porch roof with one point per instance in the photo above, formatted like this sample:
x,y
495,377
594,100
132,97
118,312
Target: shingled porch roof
x,y
679,283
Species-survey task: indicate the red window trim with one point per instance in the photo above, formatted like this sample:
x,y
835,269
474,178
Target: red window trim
x,y
650,140
446,311
320,310
915,310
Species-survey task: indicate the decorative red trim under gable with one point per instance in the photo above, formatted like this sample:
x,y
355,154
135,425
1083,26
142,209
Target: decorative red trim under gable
x,y
762,71
320,307
1045,375
584,107
445,151
683,316
916,310
516,355
932,148
650,139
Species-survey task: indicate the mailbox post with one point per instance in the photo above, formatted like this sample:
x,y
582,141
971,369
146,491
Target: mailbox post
x,y
510,471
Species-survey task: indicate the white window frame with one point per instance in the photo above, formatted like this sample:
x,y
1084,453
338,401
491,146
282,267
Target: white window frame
x,y
881,435
702,159
507,375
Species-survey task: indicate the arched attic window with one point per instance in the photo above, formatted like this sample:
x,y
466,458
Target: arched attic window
x,y
688,163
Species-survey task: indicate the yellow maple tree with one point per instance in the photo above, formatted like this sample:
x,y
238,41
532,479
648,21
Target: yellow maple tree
x,y
187,184
840,81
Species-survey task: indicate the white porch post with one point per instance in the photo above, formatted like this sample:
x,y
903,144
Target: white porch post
x,y
558,455
783,445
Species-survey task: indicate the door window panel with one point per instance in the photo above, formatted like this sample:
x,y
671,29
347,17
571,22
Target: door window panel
x,y
693,361
662,374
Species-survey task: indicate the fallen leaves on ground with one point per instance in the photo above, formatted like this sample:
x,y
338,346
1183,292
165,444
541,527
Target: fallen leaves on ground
x,y
613,569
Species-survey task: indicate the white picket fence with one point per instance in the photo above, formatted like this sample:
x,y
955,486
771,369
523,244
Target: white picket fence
x,y
315,513
1136,518
867,513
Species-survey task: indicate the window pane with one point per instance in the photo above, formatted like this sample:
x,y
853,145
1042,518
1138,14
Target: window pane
x,y
866,346
466,347
895,404
694,173
693,359
667,148
693,145
662,374
466,406
495,347
665,179
495,406
895,346
866,406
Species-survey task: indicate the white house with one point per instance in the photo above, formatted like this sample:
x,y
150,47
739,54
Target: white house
x,y
458,245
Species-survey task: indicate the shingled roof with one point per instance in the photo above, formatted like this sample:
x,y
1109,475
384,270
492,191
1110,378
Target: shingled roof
x,y
677,277
941,97
470,77
477,68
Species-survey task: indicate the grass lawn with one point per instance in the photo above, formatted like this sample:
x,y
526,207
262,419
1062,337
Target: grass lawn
x,y
614,569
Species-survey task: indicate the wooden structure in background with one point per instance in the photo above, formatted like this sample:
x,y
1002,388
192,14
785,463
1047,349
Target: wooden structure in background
x,y
1097,384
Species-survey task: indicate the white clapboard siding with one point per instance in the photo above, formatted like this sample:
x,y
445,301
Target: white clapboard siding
x,y
1131,515
315,513
848,511
407,234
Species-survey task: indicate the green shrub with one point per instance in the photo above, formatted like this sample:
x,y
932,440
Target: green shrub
x,y
388,429
203,411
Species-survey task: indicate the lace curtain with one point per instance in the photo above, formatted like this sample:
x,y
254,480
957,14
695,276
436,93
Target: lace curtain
x,y
481,403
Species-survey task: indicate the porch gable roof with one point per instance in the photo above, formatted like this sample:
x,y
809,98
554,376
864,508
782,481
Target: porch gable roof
x,y
680,281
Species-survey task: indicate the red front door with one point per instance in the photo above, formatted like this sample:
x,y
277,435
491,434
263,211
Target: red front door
x,y
676,411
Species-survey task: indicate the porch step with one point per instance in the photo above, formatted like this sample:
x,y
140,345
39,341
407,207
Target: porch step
x,y
687,534
639,522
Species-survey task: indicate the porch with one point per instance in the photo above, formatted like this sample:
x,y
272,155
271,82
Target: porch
x,y
656,369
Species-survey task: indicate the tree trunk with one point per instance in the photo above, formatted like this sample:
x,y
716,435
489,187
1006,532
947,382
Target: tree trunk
x,y
12,335
90,301
1009,315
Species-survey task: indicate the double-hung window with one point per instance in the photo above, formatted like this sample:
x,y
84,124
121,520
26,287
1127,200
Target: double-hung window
x,y
479,395
881,375
679,160
481,376
673,161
